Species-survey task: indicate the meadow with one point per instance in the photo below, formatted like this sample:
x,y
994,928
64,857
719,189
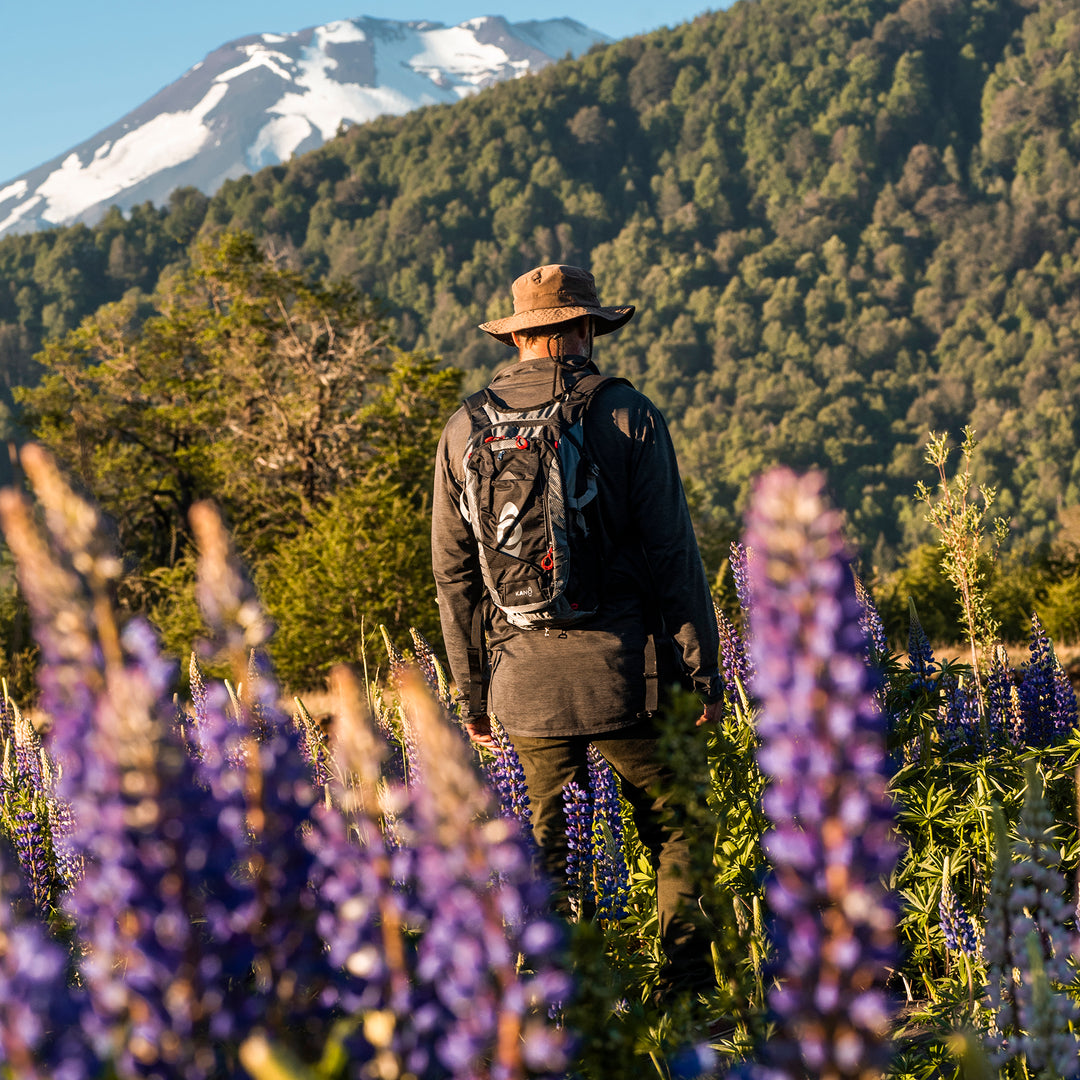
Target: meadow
x,y
214,887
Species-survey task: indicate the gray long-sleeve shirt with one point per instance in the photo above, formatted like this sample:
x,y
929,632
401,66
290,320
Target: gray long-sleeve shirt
x,y
591,678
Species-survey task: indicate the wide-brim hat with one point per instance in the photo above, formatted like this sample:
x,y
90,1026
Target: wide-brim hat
x,y
554,294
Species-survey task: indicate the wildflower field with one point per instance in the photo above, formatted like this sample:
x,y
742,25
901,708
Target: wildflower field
x,y
212,886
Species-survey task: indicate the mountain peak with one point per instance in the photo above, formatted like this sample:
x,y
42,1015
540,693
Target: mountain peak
x,y
260,99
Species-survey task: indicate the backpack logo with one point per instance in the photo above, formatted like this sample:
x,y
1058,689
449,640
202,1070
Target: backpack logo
x,y
508,534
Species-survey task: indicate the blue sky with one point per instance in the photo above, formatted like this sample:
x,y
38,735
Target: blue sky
x,y
69,68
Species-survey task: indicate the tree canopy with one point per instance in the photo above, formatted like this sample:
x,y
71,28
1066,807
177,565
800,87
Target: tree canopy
x,y
281,399
845,223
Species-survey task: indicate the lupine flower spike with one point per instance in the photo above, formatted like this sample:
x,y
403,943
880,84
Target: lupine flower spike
x,y
577,807
1037,699
832,845
1027,945
612,873
508,779
432,670
998,699
734,663
740,562
871,623
478,927
1039,913
156,864
921,662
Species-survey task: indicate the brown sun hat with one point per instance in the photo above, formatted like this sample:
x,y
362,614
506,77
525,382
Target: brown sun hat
x,y
554,294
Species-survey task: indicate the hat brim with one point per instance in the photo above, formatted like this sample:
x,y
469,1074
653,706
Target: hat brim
x,y
607,320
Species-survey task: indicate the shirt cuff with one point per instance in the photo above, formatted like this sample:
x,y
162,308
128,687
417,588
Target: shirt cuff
x,y
710,690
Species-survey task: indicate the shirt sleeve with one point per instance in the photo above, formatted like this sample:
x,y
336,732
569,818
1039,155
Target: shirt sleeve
x,y
456,565
678,576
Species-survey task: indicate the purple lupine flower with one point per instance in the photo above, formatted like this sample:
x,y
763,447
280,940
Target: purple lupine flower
x,y
832,845
612,873
921,662
27,742
474,881
6,717
312,744
158,879
508,779
577,806
1064,715
956,925
29,836
68,860
999,685
1037,698
1027,935
154,984
734,661
871,623
197,686
959,716
40,1036
740,563
432,670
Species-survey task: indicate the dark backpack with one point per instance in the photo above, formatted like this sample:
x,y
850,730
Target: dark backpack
x,y
528,487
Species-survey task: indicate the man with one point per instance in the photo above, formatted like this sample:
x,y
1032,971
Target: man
x,y
556,690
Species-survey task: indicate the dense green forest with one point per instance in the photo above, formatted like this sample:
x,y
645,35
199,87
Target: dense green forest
x,y
845,223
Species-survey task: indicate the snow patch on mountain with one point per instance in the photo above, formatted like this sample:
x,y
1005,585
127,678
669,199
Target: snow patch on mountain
x,y
115,166
258,100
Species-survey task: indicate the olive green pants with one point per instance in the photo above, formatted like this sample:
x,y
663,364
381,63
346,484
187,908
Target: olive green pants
x,y
551,763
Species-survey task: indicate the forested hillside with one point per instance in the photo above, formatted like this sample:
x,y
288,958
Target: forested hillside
x,y
845,223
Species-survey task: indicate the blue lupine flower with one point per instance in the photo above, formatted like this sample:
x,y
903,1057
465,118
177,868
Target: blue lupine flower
x,y
197,686
734,660
871,623
956,924
508,778
483,904
959,713
921,662
578,809
1028,935
30,839
999,704
432,670
40,1035
612,873
1063,714
832,844
1037,697
740,562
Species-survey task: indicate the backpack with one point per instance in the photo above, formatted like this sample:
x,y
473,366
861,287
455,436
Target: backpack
x,y
528,486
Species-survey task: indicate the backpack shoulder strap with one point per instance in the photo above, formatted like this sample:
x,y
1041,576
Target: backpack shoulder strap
x,y
588,386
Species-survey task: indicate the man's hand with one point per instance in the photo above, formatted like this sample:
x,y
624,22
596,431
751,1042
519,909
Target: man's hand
x,y
479,729
710,713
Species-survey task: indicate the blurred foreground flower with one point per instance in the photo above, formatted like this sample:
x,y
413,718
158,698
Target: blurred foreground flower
x,y
220,898
1028,945
832,846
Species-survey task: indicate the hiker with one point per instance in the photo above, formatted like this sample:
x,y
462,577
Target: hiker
x,y
557,578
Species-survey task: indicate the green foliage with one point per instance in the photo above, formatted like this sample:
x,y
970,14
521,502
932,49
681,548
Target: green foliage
x,y
283,400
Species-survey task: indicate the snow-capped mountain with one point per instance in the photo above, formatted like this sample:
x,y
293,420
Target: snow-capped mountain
x,y
260,99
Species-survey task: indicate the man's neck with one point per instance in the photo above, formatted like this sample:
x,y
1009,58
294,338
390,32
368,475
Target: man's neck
x,y
543,354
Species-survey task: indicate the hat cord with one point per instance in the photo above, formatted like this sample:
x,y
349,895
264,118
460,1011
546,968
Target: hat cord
x,y
558,383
